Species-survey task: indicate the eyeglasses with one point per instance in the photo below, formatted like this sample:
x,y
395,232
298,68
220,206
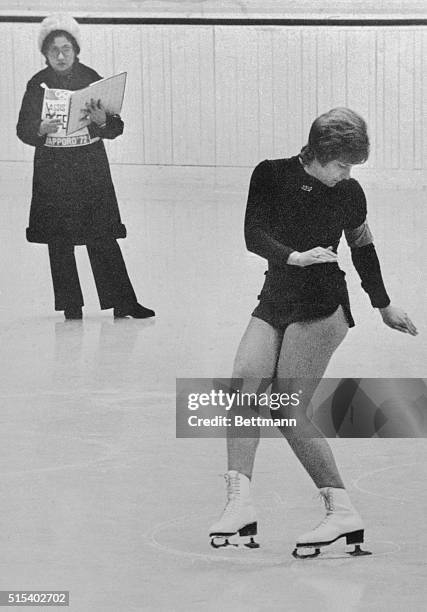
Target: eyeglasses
x,y
66,50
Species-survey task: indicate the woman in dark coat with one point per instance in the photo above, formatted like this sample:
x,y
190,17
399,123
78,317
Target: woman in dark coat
x,y
73,200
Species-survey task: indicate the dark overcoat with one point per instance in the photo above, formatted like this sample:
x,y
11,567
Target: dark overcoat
x,y
73,195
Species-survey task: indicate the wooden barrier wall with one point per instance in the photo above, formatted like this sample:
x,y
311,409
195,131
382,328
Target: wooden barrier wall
x,y
229,96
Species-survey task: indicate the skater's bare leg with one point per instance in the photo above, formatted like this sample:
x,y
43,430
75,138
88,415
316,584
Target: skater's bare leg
x,y
255,360
254,368
306,351
312,450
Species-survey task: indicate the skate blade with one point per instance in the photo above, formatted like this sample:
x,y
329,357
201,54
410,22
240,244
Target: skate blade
x,y
298,555
354,538
357,552
234,542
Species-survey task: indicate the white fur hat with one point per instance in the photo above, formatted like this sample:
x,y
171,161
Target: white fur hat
x,y
58,21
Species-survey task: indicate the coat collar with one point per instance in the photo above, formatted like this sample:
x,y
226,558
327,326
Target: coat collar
x,y
67,81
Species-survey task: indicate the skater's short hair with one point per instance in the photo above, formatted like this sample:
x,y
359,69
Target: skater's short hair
x,y
338,134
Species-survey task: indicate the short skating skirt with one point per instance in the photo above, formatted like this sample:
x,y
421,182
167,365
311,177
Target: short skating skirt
x,y
279,311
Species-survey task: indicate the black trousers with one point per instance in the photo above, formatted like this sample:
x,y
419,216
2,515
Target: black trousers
x,y
108,267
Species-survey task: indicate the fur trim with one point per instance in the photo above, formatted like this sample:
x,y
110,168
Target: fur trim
x,y
58,21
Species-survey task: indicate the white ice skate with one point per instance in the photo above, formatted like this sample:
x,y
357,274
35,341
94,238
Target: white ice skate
x,y
341,520
237,525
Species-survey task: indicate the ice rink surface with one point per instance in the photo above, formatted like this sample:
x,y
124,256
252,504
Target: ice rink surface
x,y
100,498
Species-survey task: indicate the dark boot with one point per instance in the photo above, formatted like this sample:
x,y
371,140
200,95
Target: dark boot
x,y
73,313
136,311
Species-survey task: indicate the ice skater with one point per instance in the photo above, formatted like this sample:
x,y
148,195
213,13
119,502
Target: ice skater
x,y
73,200
296,213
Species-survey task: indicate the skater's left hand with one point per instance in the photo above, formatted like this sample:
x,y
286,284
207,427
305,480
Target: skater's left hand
x,y
396,318
95,112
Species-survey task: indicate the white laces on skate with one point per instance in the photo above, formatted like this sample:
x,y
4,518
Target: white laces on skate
x,y
327,499
233,492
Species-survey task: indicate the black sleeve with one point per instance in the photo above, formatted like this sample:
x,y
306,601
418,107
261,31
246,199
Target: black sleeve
x,y
258,231
363,253
356,207
113,128
30,116
366,262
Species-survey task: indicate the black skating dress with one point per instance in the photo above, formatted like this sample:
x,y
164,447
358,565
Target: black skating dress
x,y
289,210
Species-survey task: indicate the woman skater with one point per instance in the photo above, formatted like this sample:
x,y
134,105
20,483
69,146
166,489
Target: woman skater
x,y
297,210
73,199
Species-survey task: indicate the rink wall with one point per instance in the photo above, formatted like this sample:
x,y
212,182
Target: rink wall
x,y
230,95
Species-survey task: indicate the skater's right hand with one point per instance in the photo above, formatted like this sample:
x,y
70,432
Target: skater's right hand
x,y
49,126
318,255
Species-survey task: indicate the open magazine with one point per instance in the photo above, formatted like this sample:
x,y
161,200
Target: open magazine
x,y
110,91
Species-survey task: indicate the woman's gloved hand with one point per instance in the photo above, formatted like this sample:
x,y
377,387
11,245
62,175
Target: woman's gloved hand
x,y
49,126
95,112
